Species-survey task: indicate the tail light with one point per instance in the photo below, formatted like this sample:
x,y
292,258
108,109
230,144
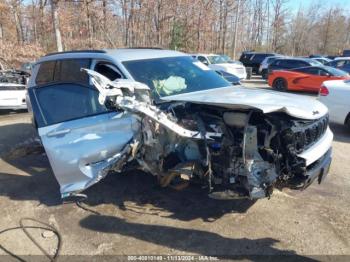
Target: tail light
x,y
324,91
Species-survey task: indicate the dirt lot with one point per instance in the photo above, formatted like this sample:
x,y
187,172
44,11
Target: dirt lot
x,y
137,217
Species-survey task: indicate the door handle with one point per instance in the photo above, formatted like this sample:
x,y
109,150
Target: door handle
x,y
58,132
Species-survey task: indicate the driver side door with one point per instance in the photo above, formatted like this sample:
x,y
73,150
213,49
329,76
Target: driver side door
x,y
82,138
316,76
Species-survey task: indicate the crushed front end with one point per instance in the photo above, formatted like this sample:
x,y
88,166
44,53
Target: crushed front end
x,y
233,153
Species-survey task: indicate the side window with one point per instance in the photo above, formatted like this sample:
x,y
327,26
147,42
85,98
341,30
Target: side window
x,y
203,59
73,100
67,70
108,70
340,63
285,64
300,64
70,71
302,70
332,63
45,73
314,71
276,63
323,72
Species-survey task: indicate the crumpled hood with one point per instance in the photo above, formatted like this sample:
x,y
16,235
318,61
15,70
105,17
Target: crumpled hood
x,y
265,100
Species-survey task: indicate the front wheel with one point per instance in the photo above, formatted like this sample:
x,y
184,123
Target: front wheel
x,y
264,74
280,84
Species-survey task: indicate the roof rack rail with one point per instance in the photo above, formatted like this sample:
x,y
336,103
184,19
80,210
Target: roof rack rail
x,y
76,51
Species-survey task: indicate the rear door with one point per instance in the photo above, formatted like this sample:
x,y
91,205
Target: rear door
x,y
82,138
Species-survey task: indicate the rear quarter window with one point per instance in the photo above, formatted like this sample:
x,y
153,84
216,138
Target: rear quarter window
x,y
70,71
292,64
67,70
245,57
259,58
45,73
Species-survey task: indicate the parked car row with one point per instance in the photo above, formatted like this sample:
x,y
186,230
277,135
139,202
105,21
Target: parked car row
x,y
282,72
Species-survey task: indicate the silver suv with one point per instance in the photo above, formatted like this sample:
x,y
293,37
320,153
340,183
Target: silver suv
x,y
170,115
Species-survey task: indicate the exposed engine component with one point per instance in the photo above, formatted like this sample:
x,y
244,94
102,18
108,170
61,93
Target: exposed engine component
x,y
14,76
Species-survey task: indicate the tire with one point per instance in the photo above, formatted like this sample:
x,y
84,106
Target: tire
x,y
264,74
280,84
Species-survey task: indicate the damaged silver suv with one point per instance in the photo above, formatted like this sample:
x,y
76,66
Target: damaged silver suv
x,y
165,113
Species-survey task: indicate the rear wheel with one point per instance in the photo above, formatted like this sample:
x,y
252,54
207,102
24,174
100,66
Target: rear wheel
x,y
280,84
264,74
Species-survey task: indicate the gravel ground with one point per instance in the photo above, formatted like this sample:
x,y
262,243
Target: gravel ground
x,y
128,214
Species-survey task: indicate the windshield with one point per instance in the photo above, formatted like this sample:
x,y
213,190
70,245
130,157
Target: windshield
x,y
216,59
229,60
226,58
174,75
335,71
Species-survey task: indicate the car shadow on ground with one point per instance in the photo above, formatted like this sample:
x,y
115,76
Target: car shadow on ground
x,y
9,111
341,133
133,191
28,176
139,193
192,240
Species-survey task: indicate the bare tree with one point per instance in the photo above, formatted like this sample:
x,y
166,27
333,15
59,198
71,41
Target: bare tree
x,y
222,26
56,25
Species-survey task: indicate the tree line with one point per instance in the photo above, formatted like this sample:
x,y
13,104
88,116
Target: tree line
x,y
30,28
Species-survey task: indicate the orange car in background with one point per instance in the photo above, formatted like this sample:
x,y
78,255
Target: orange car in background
x,y
308,79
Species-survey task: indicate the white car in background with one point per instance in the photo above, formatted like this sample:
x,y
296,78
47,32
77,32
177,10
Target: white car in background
x,y
221,63
12,96
336,96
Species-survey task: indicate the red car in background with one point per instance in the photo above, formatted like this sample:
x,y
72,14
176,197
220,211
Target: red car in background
x,y
308,79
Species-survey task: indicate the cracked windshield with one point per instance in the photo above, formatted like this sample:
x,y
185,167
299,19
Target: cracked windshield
x,y
174,75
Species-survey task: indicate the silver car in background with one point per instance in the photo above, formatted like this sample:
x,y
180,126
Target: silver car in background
x,y
264,66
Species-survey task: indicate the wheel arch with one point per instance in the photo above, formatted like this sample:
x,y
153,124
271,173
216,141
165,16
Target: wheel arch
x,y
347,119
279,77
